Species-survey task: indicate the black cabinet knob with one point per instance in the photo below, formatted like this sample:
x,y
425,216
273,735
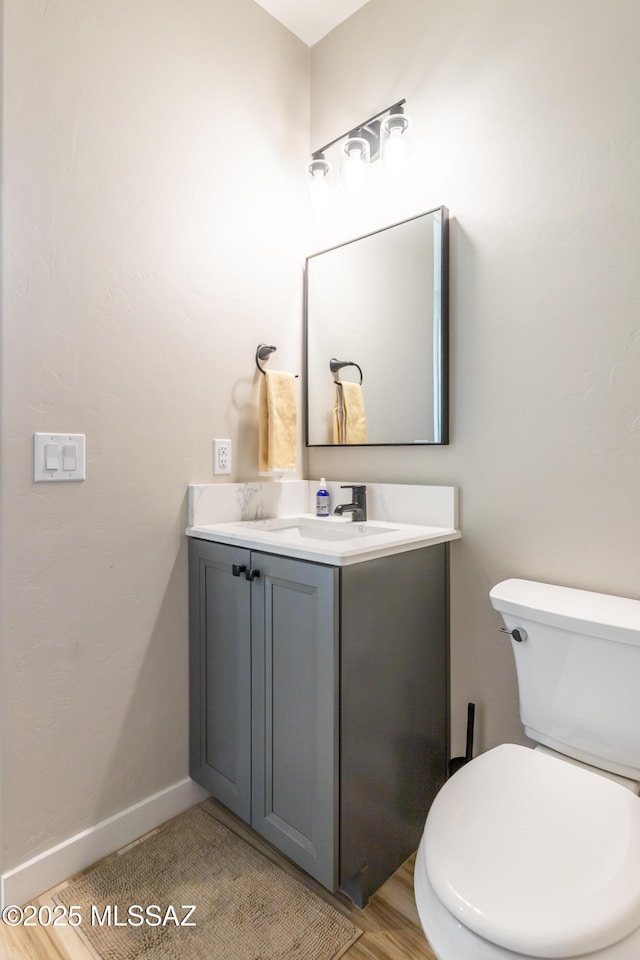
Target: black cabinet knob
x,y
252,574
237,569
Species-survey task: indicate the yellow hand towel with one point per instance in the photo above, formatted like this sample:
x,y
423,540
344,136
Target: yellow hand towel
x,y
338,415
354,419
278,422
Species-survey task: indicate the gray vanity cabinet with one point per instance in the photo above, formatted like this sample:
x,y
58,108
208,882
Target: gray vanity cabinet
x,y
220,674
319,702
264,696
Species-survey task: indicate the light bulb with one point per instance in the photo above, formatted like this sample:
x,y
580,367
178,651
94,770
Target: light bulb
x,y
396,122
318,191
357,148
357,153
355,157
318,168
395,150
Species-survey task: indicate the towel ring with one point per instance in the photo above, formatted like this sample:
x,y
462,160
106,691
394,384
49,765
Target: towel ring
x,y
336,365
263,352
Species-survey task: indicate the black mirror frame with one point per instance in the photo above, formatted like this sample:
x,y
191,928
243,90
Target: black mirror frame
x,y
444,321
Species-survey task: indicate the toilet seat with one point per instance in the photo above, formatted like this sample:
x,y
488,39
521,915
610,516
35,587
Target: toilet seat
x,y
450,940
536,855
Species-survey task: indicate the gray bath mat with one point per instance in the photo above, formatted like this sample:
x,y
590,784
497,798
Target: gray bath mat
x,y
246,907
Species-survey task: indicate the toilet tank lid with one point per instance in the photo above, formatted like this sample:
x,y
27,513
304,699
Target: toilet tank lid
x,y
594,614
535,854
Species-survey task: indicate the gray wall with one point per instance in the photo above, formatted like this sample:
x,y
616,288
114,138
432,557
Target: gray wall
x,y
154,209
525,124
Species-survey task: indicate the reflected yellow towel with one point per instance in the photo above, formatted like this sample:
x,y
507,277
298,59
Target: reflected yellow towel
x,y
278,423
349,418
338,416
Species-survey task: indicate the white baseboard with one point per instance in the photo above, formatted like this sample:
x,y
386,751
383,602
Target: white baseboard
x,y
32,878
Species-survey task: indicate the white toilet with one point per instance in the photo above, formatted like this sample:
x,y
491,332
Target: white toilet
x,y
532,853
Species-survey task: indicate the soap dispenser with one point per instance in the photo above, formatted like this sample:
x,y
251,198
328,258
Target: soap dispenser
x,y
322,499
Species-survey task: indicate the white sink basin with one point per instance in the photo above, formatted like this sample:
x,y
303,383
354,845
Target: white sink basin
x,y
333,540
296,529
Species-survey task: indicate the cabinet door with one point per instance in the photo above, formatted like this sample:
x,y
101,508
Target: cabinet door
x,y
295,717
220,673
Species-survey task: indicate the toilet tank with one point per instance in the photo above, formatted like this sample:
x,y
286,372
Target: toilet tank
x,y
578,671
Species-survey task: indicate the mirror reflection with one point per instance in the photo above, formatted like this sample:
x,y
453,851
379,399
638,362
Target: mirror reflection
x,y
376,313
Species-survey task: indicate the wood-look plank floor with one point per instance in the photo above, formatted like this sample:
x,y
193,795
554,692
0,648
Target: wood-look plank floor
x,y
390,924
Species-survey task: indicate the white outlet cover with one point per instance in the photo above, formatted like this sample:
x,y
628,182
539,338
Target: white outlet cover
x,y
221,462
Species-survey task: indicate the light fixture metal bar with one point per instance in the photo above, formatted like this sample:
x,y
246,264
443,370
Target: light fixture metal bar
x,y
359,126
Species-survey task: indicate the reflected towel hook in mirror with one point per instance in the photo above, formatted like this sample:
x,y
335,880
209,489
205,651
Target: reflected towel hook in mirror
x,y
263,352
336,365
351,290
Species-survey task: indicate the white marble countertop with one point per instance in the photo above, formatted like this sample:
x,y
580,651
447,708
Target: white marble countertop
x,y
304,537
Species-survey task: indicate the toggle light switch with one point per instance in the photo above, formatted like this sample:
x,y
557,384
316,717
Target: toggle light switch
x,y
58,456
51,452
69,456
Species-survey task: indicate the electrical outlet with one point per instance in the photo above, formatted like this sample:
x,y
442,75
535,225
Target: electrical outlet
x,y
222,456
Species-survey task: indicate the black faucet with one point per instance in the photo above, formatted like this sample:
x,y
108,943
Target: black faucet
x,y
359,505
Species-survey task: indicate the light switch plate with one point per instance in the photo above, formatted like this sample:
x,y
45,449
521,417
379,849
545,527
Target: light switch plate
x,y
57,451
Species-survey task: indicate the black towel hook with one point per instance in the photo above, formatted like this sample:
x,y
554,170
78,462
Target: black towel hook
x,y
336,365
263,352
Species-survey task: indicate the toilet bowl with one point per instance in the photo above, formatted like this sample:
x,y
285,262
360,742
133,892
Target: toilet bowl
x,y
525,856
529,853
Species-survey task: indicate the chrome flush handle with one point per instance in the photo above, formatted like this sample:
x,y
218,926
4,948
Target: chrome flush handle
x,y
518,633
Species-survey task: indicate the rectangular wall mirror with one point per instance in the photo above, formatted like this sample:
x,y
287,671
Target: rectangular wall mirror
x,y
379,304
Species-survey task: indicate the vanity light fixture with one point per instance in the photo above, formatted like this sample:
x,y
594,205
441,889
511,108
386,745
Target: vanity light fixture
x,y
357,157
318,168
366,142
356,147
396,123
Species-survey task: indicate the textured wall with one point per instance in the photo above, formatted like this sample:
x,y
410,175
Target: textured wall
x,y
526,126
153,206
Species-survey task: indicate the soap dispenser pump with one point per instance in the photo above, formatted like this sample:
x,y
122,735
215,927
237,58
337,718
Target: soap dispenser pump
x,y
322,499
